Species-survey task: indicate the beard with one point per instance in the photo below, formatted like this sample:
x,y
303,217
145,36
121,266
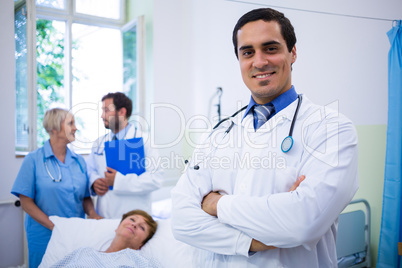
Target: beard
x,y
113,123
263,83
116,123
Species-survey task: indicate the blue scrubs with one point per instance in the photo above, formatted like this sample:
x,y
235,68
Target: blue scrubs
x,y
64,198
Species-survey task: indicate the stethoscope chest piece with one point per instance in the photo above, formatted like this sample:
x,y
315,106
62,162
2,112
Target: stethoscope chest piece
x,y
287,144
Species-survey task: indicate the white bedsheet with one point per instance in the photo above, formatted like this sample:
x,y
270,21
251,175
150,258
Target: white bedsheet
x,y
70,234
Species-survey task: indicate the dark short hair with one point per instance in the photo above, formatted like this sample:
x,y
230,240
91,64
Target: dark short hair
x,y
153,225
120,100
267,15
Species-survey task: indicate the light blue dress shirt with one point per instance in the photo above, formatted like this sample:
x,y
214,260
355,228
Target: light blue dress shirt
x,y
280,102
63,198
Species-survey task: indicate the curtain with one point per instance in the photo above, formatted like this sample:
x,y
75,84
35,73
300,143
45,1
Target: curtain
x,y
391,229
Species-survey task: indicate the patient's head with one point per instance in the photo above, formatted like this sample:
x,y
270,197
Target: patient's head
x,y
137,227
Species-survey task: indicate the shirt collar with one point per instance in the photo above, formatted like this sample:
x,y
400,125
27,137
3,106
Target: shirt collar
x,y
49,152
73,154
122,133
48,149
280,102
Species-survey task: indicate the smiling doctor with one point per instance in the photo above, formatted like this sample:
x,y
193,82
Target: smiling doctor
x,y
233,201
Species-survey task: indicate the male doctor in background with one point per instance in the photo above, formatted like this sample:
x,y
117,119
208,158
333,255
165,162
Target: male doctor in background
x,y
130,191
233,201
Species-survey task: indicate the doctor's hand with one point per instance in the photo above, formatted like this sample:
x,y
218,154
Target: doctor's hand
x,y
297,183
110,174
100,186
258,246
210,203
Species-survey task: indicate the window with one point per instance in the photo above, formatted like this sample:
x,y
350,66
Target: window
x,y
69,53
21,81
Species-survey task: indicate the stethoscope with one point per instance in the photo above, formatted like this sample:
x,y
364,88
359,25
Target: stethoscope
x,y
48,172
286,144
196,166
58,167
104,138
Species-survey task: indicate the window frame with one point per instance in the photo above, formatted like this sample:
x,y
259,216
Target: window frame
x,y
69,16
139,24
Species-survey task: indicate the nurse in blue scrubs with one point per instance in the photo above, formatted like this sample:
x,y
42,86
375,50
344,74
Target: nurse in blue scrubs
x,y
52,181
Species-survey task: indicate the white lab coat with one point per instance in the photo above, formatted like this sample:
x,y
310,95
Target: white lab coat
x,y
255,182
130,191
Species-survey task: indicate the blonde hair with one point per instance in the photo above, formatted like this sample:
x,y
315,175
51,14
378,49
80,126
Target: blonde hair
x,y
53,119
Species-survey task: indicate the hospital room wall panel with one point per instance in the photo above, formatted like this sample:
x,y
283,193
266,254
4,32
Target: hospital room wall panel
x,y
372,143
9,164
340,59
169,91
361,8
11,222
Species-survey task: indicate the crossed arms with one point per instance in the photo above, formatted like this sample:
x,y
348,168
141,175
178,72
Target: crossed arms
x,y
210,205
280,219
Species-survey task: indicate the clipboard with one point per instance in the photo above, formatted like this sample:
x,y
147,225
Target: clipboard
x,y
126,156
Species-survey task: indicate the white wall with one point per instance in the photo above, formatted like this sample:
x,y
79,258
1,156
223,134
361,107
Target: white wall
x,y
173,79
341,59
9,164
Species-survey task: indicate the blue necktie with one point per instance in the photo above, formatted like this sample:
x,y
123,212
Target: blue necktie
x,y
262,113
114,138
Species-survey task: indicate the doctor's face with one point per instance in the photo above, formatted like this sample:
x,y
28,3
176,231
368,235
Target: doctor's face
x,y
133,230
265,60
109,115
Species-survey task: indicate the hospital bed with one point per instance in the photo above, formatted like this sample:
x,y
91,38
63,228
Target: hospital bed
x,y
353,238
70,234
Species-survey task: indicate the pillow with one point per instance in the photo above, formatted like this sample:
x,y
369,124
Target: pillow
x,y
161,209
166,249
70,234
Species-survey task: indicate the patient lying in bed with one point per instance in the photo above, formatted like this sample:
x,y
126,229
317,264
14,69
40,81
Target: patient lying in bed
x,y
134,230
70,234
